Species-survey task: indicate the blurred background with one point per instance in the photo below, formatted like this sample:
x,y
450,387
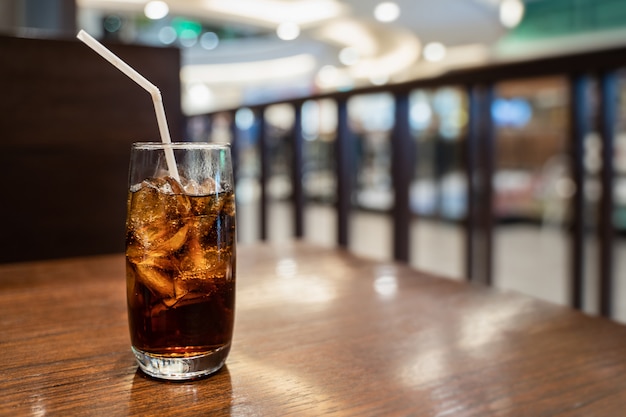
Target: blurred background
x,y
238,54
252,51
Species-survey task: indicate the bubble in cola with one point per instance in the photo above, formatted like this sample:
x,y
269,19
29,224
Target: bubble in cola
x,y
180,256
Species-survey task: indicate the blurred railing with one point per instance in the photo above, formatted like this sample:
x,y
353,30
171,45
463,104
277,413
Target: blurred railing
x,y
580,70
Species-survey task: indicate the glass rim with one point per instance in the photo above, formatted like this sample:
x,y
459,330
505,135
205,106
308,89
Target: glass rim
x,y
180,145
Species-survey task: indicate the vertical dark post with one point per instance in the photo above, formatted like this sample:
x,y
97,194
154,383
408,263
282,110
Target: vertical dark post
x,y
402,168
471,141
608,112
487,165
579,126
264,175
234,152
480,162
297,172
344,151
234,146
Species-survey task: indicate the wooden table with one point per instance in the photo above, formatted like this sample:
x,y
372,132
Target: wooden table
x,y
318,331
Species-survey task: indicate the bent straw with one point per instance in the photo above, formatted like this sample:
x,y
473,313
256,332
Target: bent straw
x,y
147,85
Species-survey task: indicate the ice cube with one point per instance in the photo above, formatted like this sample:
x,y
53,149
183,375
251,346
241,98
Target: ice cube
x,y
155,279
192,258
160,194
206,187
163,263
156,215
209,186
172,244
166,185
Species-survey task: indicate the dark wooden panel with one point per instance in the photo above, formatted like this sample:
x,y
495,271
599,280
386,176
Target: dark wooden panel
x,y
67,119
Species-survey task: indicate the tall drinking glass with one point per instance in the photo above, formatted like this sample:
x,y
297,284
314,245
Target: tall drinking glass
x,y
180,258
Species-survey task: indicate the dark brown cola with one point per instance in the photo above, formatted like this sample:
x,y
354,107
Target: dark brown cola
x,y
180,263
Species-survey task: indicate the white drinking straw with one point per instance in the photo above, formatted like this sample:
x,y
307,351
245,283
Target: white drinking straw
x,y
147,85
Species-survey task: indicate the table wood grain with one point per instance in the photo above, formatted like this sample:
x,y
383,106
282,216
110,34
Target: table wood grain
x,y
318,332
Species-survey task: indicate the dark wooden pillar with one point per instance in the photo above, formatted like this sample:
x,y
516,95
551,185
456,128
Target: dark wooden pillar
x,y
579,126
606,228
480,170
297,173
487,147
264,174
344,151
471,220
402,152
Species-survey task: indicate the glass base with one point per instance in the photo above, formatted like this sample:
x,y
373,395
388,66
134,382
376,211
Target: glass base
x,y
181,368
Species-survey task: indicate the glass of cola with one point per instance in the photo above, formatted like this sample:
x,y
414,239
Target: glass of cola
x,y
180,258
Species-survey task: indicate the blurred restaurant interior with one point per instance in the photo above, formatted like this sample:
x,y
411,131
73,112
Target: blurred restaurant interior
x,y
260,73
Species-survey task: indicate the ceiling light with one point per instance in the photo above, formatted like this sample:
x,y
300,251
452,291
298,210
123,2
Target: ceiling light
x,y
511,12
209,40
288,31
199,94
197,98
349,55
167,35
112,23
434,52
156,10
328,75
387,11
188,38
331,77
